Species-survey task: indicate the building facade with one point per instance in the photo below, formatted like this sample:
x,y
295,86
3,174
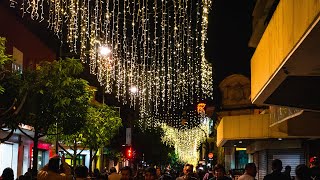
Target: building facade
x,y
285,77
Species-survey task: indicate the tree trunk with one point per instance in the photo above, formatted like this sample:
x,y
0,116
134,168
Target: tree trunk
x,y
35,152
74,157
90,162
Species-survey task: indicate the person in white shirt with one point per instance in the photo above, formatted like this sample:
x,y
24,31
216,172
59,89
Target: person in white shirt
x,y
250,172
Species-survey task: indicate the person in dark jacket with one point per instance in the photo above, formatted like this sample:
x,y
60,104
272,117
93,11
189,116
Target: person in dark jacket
x,y
315,168
7,174
219,173
302,172
276,171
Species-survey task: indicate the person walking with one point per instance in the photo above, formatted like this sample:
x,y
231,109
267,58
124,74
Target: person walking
x,y
51,171
81,173
208,175
315,168
126,173
276,171
7,174
302,172
150,174
187,173
219,173
113,174
250,172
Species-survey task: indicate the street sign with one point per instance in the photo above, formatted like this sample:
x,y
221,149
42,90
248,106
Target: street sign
x,y
128,136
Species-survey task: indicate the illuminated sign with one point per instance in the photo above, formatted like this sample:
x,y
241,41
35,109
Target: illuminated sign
x,y
200,108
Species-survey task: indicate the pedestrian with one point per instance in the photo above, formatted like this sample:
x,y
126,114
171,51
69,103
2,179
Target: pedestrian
x,y
51,171
158,172
276,171
81,172
209,174
113,174
187,173
28,173
302,172
7,174
167,175
126,173
315,168
250,172
219,173
150,173
287,171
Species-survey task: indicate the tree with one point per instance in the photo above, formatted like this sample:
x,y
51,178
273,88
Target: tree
x,y
55,98
11,103
148,142
4,58
102,123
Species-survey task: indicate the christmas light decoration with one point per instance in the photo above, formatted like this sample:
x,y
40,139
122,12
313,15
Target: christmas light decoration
x,y
186,141
149,53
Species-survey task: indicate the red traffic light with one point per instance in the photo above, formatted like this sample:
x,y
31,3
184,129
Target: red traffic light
x,y
129,153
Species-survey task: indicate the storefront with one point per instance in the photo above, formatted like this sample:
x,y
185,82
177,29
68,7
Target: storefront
x,y
289,157
9,156
43,154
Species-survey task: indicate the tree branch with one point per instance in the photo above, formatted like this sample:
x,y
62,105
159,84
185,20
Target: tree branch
x,y
7,137
8,110
65,150
95,153
41,135
81,151
3,73
55,133
21,104
25,133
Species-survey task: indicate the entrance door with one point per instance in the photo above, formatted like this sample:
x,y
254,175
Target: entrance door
x,y
9,157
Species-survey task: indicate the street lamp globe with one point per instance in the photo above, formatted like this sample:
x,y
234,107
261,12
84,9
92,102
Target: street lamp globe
x,y
104,50
133,89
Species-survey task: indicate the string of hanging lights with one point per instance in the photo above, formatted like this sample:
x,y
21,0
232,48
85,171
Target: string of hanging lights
x,y
186,141
149,53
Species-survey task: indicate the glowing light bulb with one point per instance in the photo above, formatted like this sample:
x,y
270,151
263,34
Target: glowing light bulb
x,y
133,89
104,50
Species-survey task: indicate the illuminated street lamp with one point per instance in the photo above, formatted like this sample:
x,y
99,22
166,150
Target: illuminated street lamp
x,y
133,89
104,50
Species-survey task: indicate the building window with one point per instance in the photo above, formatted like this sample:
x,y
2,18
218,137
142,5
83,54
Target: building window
x,y
79,161
17,64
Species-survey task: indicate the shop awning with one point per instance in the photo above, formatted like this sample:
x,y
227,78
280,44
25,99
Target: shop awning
x,y
246,127
285,68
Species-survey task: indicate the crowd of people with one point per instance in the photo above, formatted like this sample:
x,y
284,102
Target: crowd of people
x,y
55,170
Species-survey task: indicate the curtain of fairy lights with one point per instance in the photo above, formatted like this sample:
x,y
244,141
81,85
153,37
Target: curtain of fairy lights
x,y
186,141
156,61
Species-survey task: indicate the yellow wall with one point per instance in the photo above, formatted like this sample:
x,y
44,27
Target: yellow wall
x,y
289,23
246,127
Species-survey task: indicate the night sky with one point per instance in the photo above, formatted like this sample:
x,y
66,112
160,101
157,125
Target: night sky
x,y
228,34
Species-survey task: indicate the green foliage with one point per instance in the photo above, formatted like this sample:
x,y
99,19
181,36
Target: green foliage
x,y
174,161
56,96
148,142
10,97
4,58
112,154
102,123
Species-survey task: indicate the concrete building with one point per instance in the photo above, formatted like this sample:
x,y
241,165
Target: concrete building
x,y
285,76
